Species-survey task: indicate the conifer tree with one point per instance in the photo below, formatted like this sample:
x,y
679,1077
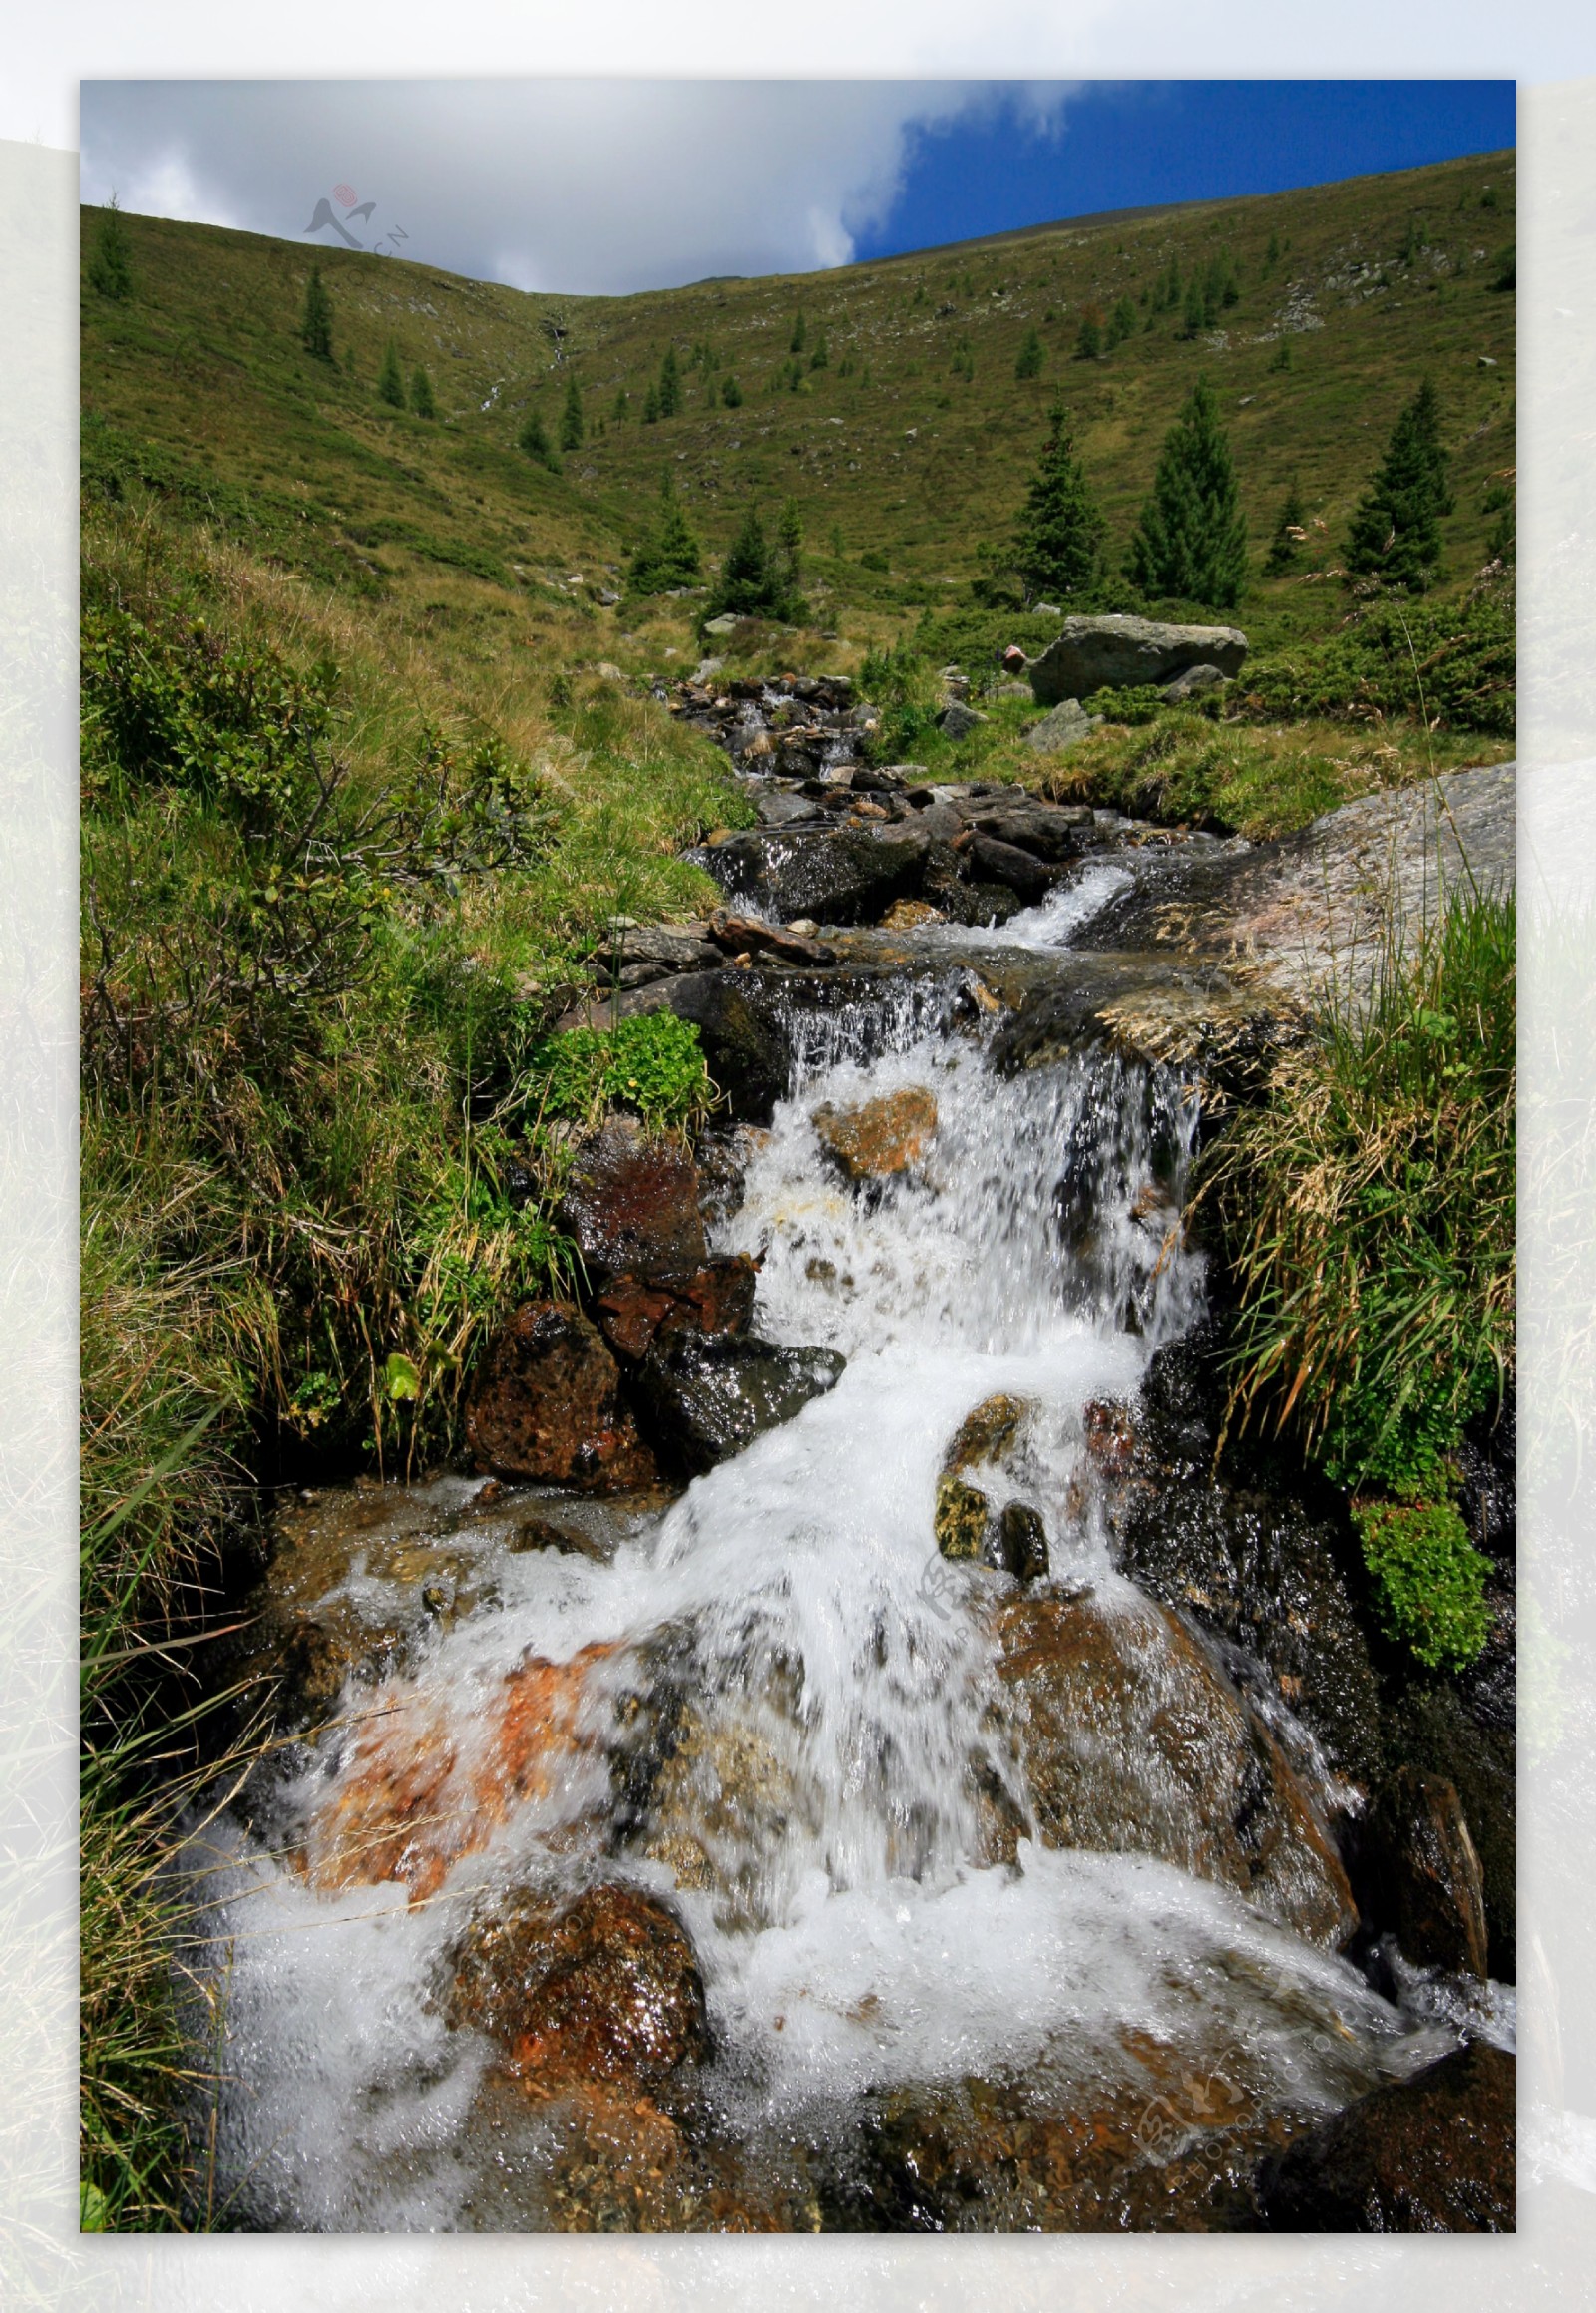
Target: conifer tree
x,y
790,546
797,344
390,379
1121,323
1191,541
731,393
1090,342
534,439
751,582
108,270
316,325
1028,361
571,419
1191,320
1281,357
1060,535
617,416
650,404
820,357
669,384
1290,534
421,394
1395,531
671,556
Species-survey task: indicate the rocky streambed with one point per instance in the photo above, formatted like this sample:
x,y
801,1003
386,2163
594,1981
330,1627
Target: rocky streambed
x,y
838,1757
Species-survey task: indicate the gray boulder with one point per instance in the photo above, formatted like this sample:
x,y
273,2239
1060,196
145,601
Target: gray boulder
x,y
1187,685
958,720
1092,652
1069,722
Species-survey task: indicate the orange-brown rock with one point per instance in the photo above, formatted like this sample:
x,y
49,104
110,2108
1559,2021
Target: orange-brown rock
x,y
634,1310
877,1138
1135,1743
549,1407
632,1204
416,1795
604,1988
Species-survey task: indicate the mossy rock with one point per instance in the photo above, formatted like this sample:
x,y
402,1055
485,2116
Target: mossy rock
x,y
960,1519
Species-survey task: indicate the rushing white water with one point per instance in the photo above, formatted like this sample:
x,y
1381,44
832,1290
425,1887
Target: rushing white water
x,y
853,1928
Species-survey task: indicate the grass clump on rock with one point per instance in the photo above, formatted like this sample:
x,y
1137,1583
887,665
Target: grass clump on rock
x,y
1370,1206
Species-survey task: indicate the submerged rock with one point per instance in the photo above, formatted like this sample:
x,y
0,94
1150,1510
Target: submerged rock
x,y
877,1138
1023,1542
549,1407
1096,653
961,1519
632,1204
604,1988
1135,1743
705,1399
1434,2154
987,1431
1428,1886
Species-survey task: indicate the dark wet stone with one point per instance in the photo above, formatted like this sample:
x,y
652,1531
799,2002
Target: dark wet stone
x,y
606,1988
1430,1726
632,1204
1434,2154
1428,1888
1005,863
549,1407
745,1046
847,876
634,1311
1023,1542
704,1400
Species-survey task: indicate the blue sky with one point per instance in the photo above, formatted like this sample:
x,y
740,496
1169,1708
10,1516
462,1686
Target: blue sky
x,y
609,187
1134,144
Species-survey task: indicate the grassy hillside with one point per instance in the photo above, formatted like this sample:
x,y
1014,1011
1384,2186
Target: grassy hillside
x,y
909,445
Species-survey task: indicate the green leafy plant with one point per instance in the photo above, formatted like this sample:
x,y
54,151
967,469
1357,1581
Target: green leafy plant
x,y
652,1064
1429,1578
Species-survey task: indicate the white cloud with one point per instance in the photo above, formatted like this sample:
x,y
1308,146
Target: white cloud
x,y
576,186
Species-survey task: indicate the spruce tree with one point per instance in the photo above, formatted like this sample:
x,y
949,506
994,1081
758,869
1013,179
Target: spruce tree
x,y
534,439
315,326
1290,534
1060,535
1090,342
421,394
1121,323
571,420
671,557
731,393
390,379
1191,320
650,404
749,585
617,416
1028,361
790,546
797,344
1395,531
108,270
669,384
1191,541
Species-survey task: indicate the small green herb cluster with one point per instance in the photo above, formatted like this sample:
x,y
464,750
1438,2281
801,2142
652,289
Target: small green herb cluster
x,y
652,1064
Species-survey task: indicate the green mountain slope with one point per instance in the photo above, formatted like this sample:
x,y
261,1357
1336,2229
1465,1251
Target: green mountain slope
x,y
910,440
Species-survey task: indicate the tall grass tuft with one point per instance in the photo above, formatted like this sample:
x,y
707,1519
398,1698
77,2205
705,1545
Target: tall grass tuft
x,y
1369,1208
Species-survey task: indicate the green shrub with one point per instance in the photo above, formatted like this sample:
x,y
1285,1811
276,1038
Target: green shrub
x,y
1429,1578
652,1064
1454,665
1136,703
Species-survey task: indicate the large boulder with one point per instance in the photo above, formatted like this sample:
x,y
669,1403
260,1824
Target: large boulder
x,y
1091,653
605,1989
1063,728
1434,2154
1134,1742
632,1204
845,876
548,1407
705,1399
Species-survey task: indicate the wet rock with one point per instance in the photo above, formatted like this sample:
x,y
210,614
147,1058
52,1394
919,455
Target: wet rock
x,y
743,1044
1434,2154
1023,1542
632,1204
1052,832
632,1312
740,932
909,915
849,876
1431,1728
604,1988
1092,653
578,2157
1135,1743
986,1432
961,1519
1428,1886
1005,863
878,1138
549,1407
782,810
1062,729
718,1808
704,1401
683,948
